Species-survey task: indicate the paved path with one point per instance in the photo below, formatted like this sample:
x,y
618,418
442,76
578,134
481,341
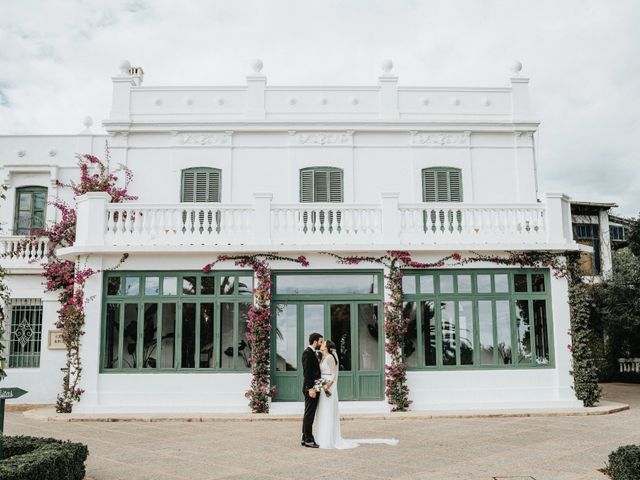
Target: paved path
x,y
545,448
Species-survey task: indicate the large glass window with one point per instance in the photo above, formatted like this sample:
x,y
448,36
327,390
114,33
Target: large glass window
x,y
31,206
26,332
484,318
162,321
338,284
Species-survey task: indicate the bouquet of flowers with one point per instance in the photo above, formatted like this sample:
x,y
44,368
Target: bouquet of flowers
x,y
321,385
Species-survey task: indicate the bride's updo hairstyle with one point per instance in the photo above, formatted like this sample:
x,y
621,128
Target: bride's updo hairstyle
x,y
331,348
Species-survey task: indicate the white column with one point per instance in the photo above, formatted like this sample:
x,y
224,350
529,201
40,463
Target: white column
x,y
92,218
520,104
606,262
558,214
52,361
388,83
261,219
390,218
121,103
90,341
256,84
562,339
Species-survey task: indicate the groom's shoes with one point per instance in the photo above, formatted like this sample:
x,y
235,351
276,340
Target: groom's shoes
x,y
311,444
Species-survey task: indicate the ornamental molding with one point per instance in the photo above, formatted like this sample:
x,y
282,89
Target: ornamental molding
x,y
196,139
439,139
322,139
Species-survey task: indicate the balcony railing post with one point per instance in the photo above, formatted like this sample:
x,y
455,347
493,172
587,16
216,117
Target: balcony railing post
x,y
390,218
261,221
92,218
558,215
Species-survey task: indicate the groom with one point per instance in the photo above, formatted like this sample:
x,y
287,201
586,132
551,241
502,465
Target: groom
x,y
311,373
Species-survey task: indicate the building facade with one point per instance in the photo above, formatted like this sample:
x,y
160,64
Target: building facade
x,y
298,171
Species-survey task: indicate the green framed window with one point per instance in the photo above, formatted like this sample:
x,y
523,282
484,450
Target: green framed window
x,y
441,184
201,185
477,319
26,332
176,321
321,184
31,207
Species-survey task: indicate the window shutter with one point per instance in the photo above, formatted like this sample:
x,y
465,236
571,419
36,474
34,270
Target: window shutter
x,y
441,185
335,186
201,185
306,186
188,186
214,186
455,187
428,185
320,186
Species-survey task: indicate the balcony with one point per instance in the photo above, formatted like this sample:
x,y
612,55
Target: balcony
x,y
263,225
16,252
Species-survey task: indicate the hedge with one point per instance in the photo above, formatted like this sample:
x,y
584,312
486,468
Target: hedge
x,y
37,458
624,463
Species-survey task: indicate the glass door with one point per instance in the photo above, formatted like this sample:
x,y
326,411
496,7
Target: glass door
x,y
355,328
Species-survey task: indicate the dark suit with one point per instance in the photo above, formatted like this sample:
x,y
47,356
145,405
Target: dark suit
x,y
311,372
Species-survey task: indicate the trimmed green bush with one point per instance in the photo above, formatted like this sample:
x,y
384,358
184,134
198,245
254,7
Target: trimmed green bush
x,y
624,463
37,458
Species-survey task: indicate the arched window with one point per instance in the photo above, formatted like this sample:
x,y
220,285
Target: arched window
x,y
321,184
200,185
31,207
441,184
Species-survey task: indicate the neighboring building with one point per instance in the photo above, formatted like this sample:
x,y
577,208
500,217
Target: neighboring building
x,y
596,227
297,170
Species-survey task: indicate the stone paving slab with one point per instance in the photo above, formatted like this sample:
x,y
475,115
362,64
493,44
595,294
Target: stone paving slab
x,y
548,447
49,414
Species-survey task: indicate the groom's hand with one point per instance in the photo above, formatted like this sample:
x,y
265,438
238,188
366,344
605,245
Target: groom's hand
x,y
312,392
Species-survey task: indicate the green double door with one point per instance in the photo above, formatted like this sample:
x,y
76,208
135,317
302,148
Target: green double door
x,y
356,329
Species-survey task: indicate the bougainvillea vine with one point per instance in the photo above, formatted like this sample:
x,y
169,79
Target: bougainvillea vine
x,y
259,324
562,264
68,279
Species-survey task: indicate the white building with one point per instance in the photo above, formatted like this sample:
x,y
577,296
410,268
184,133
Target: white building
x,y
297,170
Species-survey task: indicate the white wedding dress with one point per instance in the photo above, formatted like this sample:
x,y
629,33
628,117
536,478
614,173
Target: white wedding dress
x,y
327,421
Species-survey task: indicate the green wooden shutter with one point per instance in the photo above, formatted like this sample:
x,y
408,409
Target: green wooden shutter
x,y
321,184
306,186
441,184
201,185
428,185
335,186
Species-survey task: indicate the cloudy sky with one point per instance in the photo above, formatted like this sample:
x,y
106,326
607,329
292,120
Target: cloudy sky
x,y
583,57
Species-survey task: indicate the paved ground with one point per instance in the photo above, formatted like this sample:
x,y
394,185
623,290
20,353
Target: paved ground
x,y
553,448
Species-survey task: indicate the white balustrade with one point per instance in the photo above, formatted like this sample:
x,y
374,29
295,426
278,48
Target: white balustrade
x,y
326,223
472,223
629,365
19,250
177,224
263,224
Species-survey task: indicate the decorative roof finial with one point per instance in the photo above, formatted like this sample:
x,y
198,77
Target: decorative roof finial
x,y
387,66
125,65
516,67
87,122
256,66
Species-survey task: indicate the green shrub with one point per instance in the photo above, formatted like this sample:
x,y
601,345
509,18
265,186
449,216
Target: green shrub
x,y
624,463
36,458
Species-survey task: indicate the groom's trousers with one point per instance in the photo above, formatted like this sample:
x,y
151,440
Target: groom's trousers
x,y
310,405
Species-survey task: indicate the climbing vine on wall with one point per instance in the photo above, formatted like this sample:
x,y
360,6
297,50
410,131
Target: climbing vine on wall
x,y
67,278
4,299
259,324
563,265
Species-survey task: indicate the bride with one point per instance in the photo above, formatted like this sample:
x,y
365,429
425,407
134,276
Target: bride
x,y
328,414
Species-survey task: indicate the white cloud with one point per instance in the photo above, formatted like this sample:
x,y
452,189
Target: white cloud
x,y
583,57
